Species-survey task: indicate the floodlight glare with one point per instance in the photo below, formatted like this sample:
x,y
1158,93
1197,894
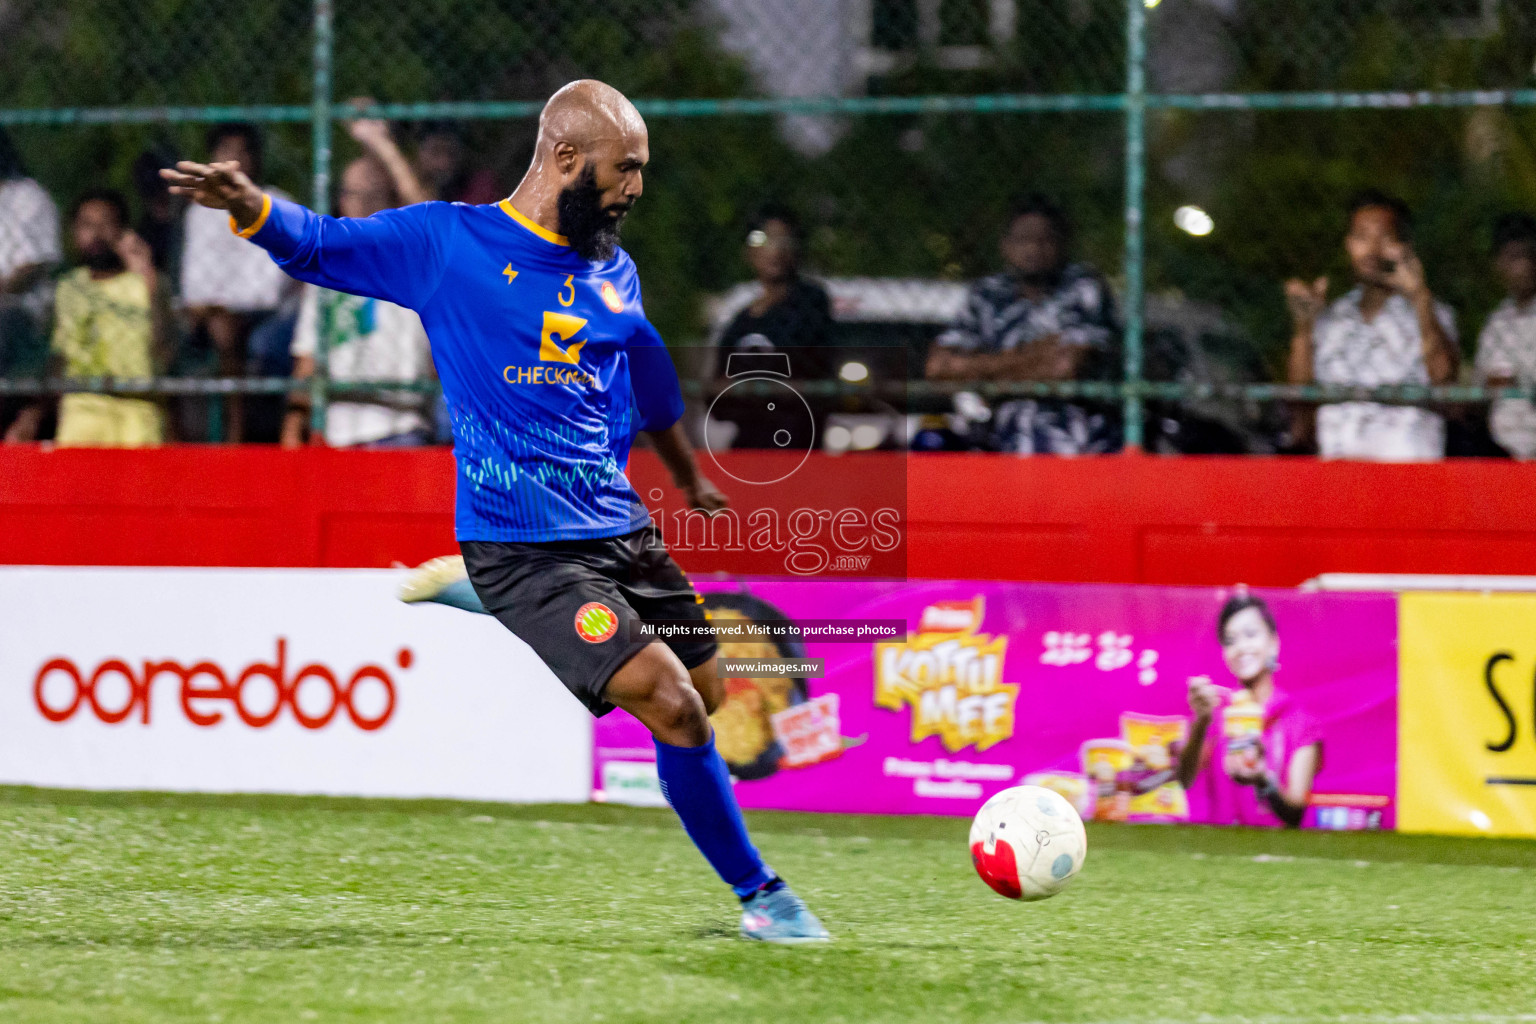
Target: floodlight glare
x,y
1194,221
854,372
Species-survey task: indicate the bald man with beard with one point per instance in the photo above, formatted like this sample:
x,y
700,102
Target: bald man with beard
x,y
550,369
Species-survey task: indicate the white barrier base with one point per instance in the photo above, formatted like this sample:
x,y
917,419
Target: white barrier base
x,y
274,681
1397,582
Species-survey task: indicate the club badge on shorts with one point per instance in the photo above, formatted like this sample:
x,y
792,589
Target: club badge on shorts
x,y
596,622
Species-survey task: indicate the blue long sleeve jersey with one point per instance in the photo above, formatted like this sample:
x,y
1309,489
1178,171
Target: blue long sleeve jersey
x,y
548,364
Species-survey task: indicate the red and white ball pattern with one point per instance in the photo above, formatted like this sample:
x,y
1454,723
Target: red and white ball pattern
x,y
1028,843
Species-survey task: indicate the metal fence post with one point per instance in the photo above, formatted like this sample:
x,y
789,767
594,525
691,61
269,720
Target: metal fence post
x,y
1135,204
320,200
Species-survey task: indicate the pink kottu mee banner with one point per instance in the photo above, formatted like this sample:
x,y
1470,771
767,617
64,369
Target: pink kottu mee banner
x,y
1081,688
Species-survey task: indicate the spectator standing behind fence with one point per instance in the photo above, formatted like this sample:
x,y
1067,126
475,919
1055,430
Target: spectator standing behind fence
x,y
111,322
29,248
442,165
227,284
1044,318
1389,329
366,339
161,217
1506,350
789,313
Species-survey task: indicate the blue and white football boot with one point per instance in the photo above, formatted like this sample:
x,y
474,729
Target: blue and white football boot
x,y
775,914
442,581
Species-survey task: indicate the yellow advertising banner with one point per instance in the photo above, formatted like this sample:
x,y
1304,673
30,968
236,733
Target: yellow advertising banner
x,y
1467,714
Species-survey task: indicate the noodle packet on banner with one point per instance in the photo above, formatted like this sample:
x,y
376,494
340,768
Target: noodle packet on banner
x,y
1242,729
1104,761
1152,779
810,732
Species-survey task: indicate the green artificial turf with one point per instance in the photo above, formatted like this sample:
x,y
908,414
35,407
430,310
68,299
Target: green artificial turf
x,y
162,908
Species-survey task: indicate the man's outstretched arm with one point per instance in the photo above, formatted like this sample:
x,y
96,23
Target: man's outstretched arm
x,y
397,255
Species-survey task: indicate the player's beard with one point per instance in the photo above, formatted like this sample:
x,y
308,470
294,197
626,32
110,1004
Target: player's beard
x,y
592,230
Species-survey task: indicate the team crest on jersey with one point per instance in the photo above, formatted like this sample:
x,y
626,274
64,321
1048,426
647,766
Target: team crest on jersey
x,y
596,622
611,297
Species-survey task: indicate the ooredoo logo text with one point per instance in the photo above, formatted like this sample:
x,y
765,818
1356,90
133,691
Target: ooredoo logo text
x,y
207,692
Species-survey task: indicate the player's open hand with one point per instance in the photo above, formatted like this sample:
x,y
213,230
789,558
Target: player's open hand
x,y
705,497
136,255
1306,301
221,186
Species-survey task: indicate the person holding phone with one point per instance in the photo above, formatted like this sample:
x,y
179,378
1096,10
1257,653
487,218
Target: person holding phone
x,y
1253,753
1389,329
111,320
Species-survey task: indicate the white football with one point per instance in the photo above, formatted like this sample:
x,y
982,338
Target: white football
x,y
1028,843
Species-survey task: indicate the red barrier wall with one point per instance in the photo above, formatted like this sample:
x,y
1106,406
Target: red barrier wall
x,y
1272,521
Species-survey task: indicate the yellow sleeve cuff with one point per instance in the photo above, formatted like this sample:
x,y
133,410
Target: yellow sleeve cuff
x,y
256,225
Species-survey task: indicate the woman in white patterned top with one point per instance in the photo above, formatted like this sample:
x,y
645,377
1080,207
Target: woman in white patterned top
x,y
1506,351
1389,329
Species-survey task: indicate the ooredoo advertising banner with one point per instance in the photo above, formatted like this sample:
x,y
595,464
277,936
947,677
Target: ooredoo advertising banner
x,y
1136,703
294,681
1468,665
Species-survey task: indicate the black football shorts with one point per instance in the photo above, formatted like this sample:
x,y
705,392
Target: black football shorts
x,y
572,601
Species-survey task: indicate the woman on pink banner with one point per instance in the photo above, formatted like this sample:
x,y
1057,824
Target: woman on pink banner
x,y
1266,749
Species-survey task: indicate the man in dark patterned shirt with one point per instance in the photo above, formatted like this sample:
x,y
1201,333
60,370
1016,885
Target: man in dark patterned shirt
x,y
1043,318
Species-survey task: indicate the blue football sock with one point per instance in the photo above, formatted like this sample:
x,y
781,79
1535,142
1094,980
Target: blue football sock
x,y
697,784
461,594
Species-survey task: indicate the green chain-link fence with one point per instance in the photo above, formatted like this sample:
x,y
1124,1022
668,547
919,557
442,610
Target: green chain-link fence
x,y
1204,150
